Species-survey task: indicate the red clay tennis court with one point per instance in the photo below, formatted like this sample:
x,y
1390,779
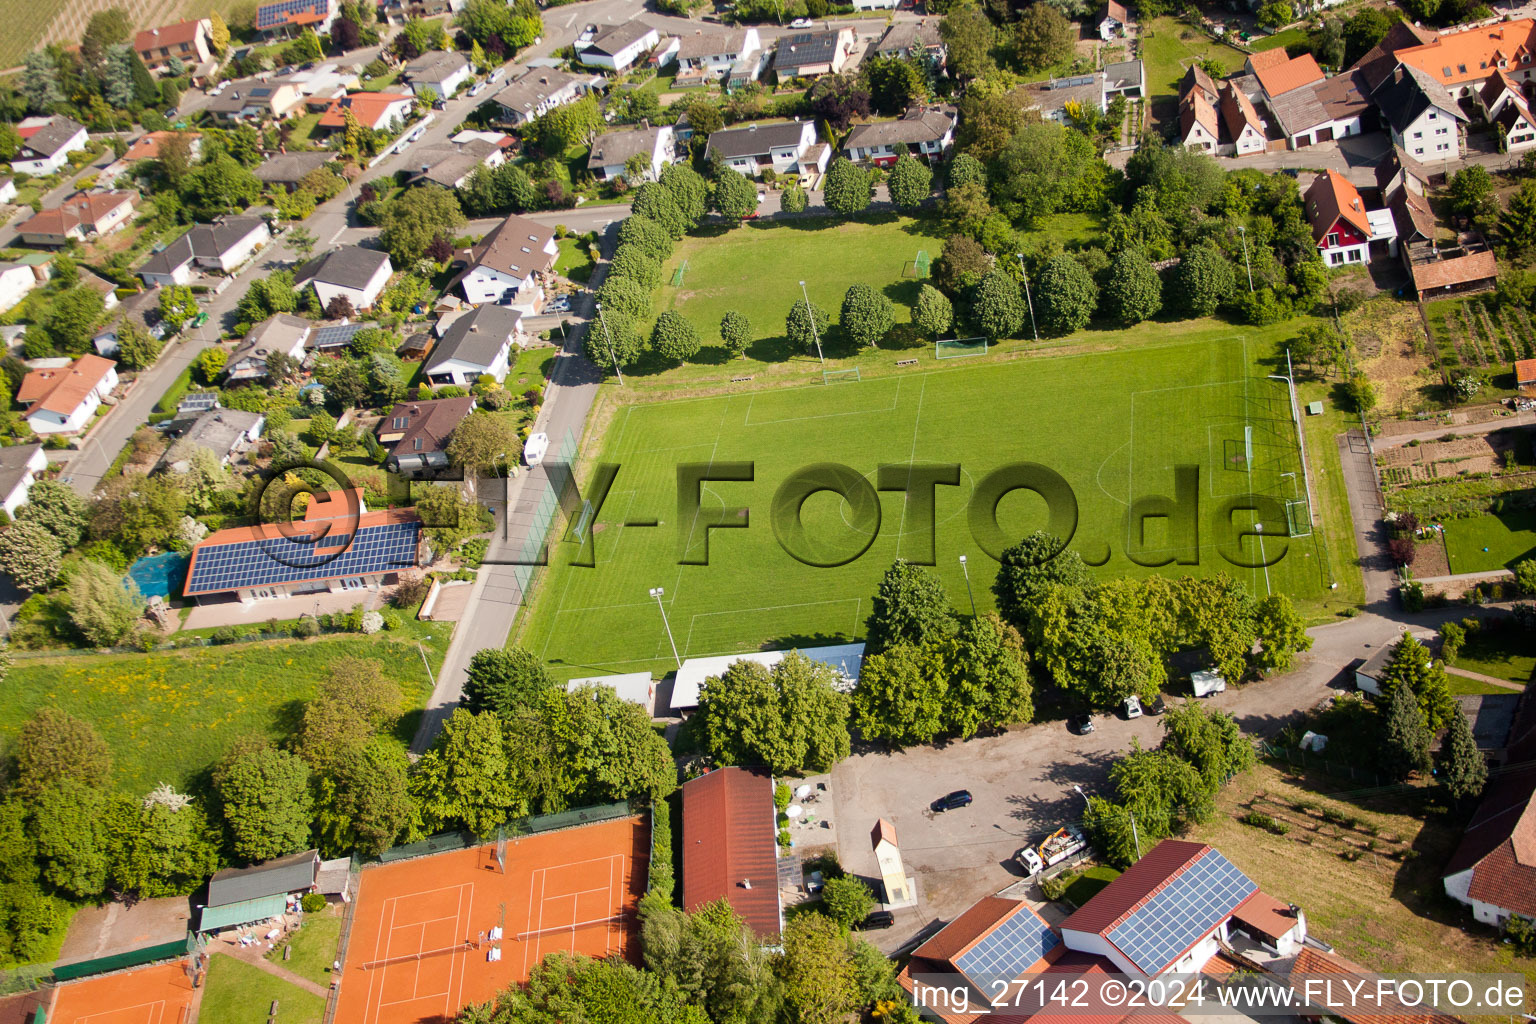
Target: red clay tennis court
x,y
161,994
423,941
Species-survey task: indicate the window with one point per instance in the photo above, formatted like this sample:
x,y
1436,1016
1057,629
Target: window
x,y
400,422
1354,255
1335,258
1333,239
1440,131
1431,115
416,444
1418,135
1419,151
1442,148
1461,69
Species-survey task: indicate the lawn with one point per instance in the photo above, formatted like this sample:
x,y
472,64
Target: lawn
x,y
382,82
1461,686
1170,395
1490,542
168,716
1387,909
575,260
1087,885
1279,39
314,947
1504,654
1168,54
237,993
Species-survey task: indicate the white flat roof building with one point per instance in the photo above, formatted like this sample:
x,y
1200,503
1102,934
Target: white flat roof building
x,y
635,687
847,659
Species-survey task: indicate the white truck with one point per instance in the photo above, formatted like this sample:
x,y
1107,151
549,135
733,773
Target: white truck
x,y
1206,682
533,451
1061,844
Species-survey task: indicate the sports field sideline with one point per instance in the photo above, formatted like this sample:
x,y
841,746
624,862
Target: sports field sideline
x,y
1115,425
423,941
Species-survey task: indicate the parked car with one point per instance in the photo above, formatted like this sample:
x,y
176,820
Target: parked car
x,y
800,23
878,919
952,801
496,75
200,319
762,196
1157,706
1029,860
1132,707
477,89
1081,724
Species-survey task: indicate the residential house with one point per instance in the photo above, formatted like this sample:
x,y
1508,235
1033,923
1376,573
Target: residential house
x,y
730,847
93,281
17,280
1461,60
287,170
508,265
251,99
540,90
709,55
1493,870
8,191
46,145
81,216
1404,186
612,152
375,110
19,466
618,47
1525,377
1504,104
919,38
222,246
283,333
925,131
62,400
225,432
1240,121
1340,226
148,147
478,344
1199,127
339,546
1280,76
242,896
398,12
1055,98
451,165
318,85
332,336
1308,107
1111,20
1423,117
1491,716
350,272
1126,78
290,17
782,147
190,42
1381,60
811,54
416,434
876,5
1197,79
440,71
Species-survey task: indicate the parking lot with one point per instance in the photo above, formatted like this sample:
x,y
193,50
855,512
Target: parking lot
x,y
1022,787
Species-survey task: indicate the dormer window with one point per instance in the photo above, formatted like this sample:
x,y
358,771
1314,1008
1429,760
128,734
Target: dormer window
x,y
1461,69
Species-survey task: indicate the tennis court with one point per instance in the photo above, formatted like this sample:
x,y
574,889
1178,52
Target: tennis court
x,y
160,994
433,934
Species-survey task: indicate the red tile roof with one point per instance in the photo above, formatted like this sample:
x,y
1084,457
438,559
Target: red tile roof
x,y
1455,58
167,35
367,107
885,830
1466,269
968,929
62,390
729,841
147,147
78,211
1266,915
1311,961
1525,371
1279,79
1266,59
1332,198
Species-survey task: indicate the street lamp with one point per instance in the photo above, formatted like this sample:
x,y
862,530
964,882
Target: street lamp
x,y
810,315
656,592
968,590
609,339
1243,234
1028,300
1135,835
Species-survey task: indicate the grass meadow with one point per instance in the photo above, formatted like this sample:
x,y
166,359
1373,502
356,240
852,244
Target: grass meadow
x,y
1169,47
168,716
237,993
1113,422
1490,542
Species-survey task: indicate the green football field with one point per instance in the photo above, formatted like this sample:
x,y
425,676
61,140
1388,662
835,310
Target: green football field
x,y
1114,425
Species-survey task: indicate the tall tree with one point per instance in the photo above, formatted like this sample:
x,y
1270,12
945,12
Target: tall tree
x,y
363,799
265,798
1413,666
1203,278
806,326
736,331
969,36
1463,768
159,847
817,971
867,315
55,746
30,555
734,195
504,680
411,222
58,509
103,607
933,313
998,308
847,190
674,338
483,441
910,606
1042,38
1067,296
353,703
69,828
1405,737
1133,292
910,182
463,781
689,190
903,695
791,718
1029,569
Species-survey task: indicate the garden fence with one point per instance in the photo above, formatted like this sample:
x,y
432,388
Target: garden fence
x,y
1317,762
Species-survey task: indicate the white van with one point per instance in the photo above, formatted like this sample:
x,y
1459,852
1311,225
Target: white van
x,y
533,451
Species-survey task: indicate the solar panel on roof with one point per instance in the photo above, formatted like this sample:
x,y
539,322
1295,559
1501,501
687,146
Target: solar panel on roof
x,y
1011,947
335,334
276,560
276,14
1182,912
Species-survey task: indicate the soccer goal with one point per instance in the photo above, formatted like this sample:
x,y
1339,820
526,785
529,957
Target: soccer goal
x,y
840,376
584,520
920,266
679,274
955,348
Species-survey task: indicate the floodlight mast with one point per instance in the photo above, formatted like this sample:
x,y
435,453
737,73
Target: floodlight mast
x,y
811,316
656,592
607,338
1031,302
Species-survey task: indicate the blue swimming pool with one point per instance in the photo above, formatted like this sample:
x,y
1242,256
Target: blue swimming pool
x,y
160,575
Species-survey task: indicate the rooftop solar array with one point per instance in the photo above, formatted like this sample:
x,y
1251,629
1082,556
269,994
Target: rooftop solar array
x,y
1190,905
271,15
280,560
1010,948
333,335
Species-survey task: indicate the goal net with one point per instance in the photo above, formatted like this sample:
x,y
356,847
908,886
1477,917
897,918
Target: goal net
x,y
840,376
921,265
954,348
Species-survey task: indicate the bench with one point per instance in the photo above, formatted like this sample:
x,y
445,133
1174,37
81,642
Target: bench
x,y
740,380
906,362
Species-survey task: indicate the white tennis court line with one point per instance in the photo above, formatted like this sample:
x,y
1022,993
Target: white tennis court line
x,y
376,1003
155,1016
537,897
